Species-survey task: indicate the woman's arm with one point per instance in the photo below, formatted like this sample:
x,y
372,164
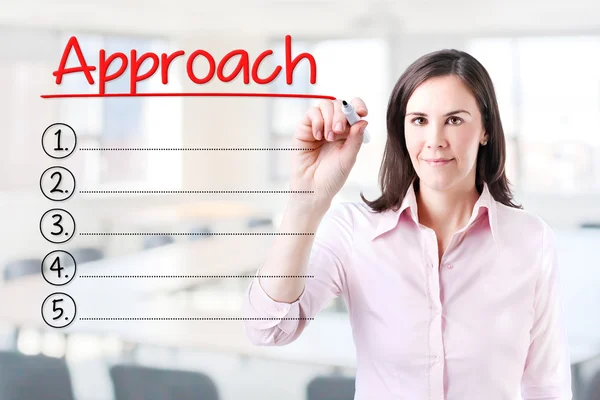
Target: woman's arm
x,y
288,304
289,254
547,373
278,308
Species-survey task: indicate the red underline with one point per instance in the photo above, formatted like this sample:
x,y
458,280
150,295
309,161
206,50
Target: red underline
x,y
302,96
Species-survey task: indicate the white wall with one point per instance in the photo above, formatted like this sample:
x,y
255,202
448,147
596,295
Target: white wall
x,y
224,122
206,122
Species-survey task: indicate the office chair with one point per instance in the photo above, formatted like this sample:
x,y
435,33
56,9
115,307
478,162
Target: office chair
x,y
85,254
331,388
18,268
592,389
24,377
205,230
590,225
133,382
14,270
258,222
153,241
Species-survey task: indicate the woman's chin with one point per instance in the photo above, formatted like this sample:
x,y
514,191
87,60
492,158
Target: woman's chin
x,y
438,182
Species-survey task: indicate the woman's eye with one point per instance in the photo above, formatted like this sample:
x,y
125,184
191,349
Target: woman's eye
x,y
454,120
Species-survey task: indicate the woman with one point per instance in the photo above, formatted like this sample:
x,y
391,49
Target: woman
x,y
452,289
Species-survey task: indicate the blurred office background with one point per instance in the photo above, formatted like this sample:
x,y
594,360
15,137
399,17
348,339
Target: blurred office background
x,y
544,58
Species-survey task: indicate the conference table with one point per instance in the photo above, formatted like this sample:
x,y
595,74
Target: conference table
x,y
99,295
317,345
104,284
193,212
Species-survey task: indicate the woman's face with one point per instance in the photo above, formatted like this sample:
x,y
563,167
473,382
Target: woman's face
x,y
443,122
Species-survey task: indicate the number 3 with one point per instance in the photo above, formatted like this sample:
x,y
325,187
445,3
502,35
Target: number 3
x,y
57,224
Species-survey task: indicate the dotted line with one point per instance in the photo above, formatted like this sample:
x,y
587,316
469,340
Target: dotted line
x,y
196,191
194,234
193,319
195,276
191,149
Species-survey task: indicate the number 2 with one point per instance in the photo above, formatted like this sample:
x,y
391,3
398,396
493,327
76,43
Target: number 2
x,y
55,188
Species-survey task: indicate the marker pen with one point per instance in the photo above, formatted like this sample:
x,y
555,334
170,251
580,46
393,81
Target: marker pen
x,y
352,117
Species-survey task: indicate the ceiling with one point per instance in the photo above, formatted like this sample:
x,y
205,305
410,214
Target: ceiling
x,y
306,17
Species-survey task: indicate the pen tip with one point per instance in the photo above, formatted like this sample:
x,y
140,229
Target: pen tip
x,y
344,103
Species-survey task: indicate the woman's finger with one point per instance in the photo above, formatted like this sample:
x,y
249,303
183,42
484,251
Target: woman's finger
x,y
316,120
326,107
360,106
339,119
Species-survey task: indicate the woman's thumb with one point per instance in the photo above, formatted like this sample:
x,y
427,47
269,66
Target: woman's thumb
x,y
353,142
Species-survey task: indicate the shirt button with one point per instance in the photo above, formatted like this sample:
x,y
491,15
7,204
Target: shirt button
x,y
449,266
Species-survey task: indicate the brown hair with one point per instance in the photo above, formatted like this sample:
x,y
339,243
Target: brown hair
x,y
397,173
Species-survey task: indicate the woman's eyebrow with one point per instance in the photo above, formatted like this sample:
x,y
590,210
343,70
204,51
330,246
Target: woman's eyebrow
x,y
447,114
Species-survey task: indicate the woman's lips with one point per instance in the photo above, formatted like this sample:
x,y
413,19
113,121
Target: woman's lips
x,y
438,162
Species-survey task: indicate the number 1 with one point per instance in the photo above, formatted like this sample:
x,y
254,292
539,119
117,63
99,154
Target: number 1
x,y
57,133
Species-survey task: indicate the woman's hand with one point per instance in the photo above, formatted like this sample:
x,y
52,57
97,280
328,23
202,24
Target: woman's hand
x,y
332,146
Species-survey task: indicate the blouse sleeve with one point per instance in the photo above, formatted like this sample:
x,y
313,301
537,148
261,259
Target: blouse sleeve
x,y
270,322
547,373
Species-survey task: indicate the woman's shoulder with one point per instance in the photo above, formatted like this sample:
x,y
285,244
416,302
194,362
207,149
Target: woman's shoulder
x,y
365,221
356,213
353,209
518,222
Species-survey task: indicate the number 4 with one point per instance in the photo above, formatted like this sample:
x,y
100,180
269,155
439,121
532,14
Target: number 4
x,y
56,266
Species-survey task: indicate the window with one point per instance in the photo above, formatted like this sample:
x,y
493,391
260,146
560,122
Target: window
x,y
124,122
345,69
26,65
549,96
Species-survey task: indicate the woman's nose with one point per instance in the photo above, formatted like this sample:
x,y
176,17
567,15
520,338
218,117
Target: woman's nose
x,y
435,136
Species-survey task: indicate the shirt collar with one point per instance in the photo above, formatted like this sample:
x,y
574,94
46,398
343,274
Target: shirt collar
x,y
389,218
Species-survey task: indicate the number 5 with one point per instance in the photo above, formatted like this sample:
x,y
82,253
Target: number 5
x,y
55,308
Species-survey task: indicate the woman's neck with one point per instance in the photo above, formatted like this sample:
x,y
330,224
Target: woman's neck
x,y
446,211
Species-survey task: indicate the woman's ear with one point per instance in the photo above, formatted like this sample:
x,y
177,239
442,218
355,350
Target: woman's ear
x,y
484,140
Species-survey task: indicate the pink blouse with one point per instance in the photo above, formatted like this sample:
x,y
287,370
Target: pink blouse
x,y
485,323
